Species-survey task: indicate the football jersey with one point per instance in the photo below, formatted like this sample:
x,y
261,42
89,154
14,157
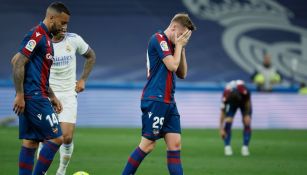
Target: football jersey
x,y
63,69
37,47
236,86
160,84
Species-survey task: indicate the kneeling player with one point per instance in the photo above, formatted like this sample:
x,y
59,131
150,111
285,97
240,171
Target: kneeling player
x,y
235,96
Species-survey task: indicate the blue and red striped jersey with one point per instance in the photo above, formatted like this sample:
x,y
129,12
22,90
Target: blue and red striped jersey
x,y
161,83
37,47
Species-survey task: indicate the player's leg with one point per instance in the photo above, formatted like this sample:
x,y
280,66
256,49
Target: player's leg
x,y
28,148
173,142
172,137
230,111
247,131
67,147
151,126
26,157
47,126
138,155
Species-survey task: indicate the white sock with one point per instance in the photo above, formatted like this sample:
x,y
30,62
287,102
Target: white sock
x,y
40,146
66,151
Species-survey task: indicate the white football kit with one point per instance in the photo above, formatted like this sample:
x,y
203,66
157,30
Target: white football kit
x,y
63,74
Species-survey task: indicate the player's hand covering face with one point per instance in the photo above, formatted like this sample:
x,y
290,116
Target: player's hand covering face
x,y
183,38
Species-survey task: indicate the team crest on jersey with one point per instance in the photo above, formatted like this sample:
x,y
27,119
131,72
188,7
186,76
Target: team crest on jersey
x,y
68,49
55,130
31,45
155,132
164,46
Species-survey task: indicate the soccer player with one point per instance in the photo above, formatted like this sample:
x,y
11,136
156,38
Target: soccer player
x,y
236,96
166,58
63,82
35,103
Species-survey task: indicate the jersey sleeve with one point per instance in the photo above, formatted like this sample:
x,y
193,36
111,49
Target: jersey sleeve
x,y
29,44
81,46
161,46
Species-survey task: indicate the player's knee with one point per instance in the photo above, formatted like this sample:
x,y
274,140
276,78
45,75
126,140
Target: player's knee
x,y
174,146
30,144
148,148
67,139
228,119
247,120
58,140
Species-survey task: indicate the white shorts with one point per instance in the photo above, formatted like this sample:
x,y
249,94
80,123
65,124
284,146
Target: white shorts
x,y
69,103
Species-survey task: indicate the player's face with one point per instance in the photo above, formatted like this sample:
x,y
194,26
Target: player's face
x,y
59,25
179,30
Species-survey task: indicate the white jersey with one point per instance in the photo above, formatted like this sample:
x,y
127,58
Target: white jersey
x,y
63,70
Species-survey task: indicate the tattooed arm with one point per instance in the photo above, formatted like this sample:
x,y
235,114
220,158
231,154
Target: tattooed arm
x,y
19,61
90,59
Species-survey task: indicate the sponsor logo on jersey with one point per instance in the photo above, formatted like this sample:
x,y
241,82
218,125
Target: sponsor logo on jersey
x,y
31,45
164,46
49,56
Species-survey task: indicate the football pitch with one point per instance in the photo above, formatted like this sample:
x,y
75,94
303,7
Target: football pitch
x,y
104,151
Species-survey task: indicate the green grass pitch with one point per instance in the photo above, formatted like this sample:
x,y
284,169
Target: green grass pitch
x,y
104,151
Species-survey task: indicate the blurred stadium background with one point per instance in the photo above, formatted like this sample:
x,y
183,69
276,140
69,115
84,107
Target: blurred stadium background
x,y
229,44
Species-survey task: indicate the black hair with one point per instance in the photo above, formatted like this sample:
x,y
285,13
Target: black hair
x,y
59,7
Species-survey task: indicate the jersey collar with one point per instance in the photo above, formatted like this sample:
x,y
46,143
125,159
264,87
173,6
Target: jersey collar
x,y
45,29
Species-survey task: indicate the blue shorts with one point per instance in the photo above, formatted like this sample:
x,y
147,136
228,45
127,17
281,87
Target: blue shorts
x,y
159,118
231,109
39,121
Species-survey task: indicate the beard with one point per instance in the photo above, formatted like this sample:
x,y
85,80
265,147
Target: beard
x,y
54,30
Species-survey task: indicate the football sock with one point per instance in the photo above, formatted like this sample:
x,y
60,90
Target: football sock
x,y
26,160
45,158
66,151
174,163
247,132
40,146
227,128
134,161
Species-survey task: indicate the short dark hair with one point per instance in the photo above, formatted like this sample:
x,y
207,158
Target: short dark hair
x,y
184,19
59,7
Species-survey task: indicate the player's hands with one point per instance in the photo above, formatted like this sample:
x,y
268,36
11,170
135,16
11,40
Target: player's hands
x,y
19,104
222,133
183,39
80,86
57,105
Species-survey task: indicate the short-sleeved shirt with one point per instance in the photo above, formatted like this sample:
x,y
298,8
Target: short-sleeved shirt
x,y
37,47
161,83
63,69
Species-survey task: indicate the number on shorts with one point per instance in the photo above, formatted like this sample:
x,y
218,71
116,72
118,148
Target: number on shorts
x,y
52,120
157,121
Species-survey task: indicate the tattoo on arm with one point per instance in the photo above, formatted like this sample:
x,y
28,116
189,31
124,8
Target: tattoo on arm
x,y
89,63
19,71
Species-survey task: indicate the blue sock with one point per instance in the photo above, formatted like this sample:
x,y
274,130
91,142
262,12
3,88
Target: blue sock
x,y
174,163
247,132
26,160
134,161
45,158
227,128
